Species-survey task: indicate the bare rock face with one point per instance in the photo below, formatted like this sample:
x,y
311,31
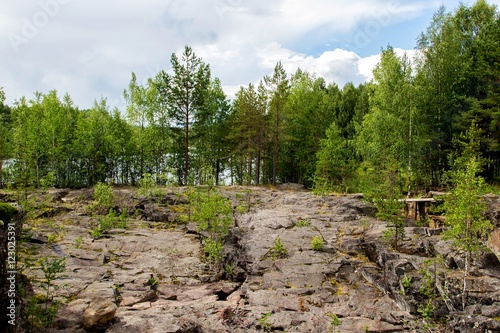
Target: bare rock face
x,y
494,242
271,278
99,314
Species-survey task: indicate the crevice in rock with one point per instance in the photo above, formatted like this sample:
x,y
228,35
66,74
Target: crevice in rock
x,y
221,295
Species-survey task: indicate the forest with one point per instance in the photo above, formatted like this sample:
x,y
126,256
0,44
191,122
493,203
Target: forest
x,y
408,126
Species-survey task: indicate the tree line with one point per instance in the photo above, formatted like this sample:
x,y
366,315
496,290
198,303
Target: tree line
x,y
403,127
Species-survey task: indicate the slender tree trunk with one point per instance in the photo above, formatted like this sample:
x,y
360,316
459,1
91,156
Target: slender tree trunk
x,y
409,153
186,147
466,265
37,173
257,166
464,287
275,147
217,171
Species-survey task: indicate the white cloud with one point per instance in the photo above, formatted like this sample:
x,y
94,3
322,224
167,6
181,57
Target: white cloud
x,y
89,48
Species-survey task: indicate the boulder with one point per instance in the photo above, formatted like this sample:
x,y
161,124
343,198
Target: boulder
x,y
99,314
494,242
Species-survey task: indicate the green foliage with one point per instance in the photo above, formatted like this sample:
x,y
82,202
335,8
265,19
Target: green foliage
x,y
382,187
427,310
229,270
184,93
278,89
213,249
465,206
278,250
78,242
152,282
103,195
465,209
264,322
148,186
303,223
334,322
41,316
48,181
335,167
117,293
317,243
406,283
110,221
432,271
51,268
6,212
287,128
212,213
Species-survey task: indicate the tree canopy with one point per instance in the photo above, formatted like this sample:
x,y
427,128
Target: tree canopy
x,y
180,126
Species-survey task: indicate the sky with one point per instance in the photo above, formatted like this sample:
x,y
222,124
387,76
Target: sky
x,y
89,48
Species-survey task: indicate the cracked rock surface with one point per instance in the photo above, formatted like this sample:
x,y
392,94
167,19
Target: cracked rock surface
x,y
352,275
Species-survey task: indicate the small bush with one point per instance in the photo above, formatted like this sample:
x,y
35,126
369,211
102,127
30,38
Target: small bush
x,y
278,250
427,310
110,221
148,186
103,195
334,322
264,322
317,243
303,223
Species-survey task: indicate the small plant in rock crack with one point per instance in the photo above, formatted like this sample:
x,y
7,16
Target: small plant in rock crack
x,y
152,282
229,270
303,223
427,310
117,293
278,250
264,322
78,242
405,283
110,221
334,322
317,243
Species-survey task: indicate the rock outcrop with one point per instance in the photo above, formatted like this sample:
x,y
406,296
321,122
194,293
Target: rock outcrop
x,y
99,314
271,278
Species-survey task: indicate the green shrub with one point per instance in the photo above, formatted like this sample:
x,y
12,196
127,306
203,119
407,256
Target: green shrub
x,y
103,195
212,213
39,316
334,322
278,250
110,221
427,310
317,243
303,223
264,322
148,186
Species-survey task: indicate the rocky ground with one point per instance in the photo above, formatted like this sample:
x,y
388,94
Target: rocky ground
x,y
354,277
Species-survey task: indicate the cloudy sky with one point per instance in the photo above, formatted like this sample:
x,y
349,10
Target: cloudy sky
x,y
89,48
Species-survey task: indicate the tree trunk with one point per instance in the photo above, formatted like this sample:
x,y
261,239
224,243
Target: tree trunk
x,y
464,287
257,173
275,148
186,148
